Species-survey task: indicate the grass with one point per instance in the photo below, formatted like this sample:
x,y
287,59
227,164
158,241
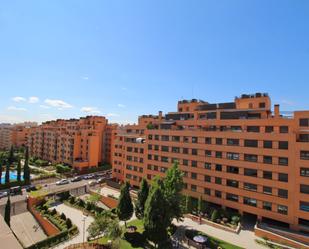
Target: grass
x,y
38,193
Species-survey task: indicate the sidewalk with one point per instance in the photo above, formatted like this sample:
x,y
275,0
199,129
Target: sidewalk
x,y
245,238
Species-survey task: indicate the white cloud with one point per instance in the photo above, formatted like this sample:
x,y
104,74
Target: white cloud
x,y
89,109
123,88
33,100
112,115
14,108
60,104
85,77
18,99
44,106
121,106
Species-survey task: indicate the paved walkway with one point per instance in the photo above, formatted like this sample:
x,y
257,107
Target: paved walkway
x,y
27,229
245,238
76,217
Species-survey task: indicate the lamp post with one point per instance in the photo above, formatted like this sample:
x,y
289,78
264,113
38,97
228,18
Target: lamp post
x,y
84,220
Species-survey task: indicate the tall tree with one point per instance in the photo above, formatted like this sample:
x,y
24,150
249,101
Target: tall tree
x,y
125,206
19,170
26,167
7,212
11,158
173,185
141,199
156,220
7,173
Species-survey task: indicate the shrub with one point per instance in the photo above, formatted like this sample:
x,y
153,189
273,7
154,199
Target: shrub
x,y
72,199
88,206
81,203
235,220
214,215
53,212
62,216
68,222
60,168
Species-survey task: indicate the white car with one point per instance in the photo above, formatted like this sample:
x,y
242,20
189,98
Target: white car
x,y
62,182
92,183
3,194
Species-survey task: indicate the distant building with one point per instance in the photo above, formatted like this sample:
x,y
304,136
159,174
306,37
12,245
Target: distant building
x,y
82,143
238,155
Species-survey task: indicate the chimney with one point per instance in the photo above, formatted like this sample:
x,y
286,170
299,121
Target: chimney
x,y
160,115
277,111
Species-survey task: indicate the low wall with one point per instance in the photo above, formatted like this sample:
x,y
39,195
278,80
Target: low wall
x,y
213,224
109,202
278,238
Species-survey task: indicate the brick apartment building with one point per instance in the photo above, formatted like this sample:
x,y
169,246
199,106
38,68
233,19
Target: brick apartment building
x,y
15,135
238,155
81,143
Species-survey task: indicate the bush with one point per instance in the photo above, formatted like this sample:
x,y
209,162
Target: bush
x,y
60,168
72,199
214,215
235,220
89,206
53,212
68,222
62,216
81,203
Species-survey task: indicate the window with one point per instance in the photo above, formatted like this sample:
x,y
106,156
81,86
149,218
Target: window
x,y
208,140
267,175
267,190
250,186
185,162
207,165
284,129
232,183
303,222
267,159
232,142
156,147
283,193
207,178
175,149
236,128
269,129
218,154
156,137
304,189
175,138
253,129
283,161
231,197
208,153
193,175
150,137
194,152
267,205
283,145
164,159
304,122
304,172
165,138
185,139
304,206
251,158
282,209
232,169
267,144
207,191
149,147
218,167
164,148
194,140
262,105
304,155
218,194
282,177
232,156
250,201
251,143
218,141
185,150
194,163
250,172
218,180
193,188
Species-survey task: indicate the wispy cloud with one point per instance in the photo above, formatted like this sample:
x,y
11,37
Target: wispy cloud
x,y
33,100
90,109
121,105
287,102
14,108
85,77
112,115
19,99
60,104
124,88
45,106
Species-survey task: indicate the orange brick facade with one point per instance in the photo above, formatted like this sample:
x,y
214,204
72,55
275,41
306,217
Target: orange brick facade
x,y
77,142
238,155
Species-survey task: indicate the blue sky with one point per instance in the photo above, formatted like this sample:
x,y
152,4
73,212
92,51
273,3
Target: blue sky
x,y
126,58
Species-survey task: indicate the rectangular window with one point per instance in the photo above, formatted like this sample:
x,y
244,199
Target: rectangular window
x,y
282,209
250,186
253,129
267,190
267,175
267,205
283,145
267,159
283,193
250,172
185,150
232,142
232,183
218,194
165,138
283,161
218,141
304,172
164,148
207,178
194,163
186,139
232,169
232,156
193,175
304,189
304,206
304,155
269,129
194,152
304,122
218,167
164,159
175,149
284,129
156,147
218,180
193,188
207,191
232,197
251,158
194,140
250,201
175,138
185,162
267,144
208,140
207,165
208,153
251,143
157,137
218,154
282,177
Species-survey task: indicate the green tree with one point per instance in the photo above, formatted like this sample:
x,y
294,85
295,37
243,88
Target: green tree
x,y
7,173
214,215
188,205
7,212
156,219
173,185
68,222
26,167
94,198
19,170
141,199
125,206
200,205
11,158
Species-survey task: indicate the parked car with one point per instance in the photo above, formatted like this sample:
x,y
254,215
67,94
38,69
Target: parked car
x,y
76,179
87,177
62,182
92,183
30,188
101,180
3,194
16,190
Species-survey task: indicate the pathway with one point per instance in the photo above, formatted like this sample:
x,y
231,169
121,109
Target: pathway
x,y
76,217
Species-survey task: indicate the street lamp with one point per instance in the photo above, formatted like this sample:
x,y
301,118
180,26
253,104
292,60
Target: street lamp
x,y
84,220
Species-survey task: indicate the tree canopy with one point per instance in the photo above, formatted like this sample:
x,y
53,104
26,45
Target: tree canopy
x,y
125,206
